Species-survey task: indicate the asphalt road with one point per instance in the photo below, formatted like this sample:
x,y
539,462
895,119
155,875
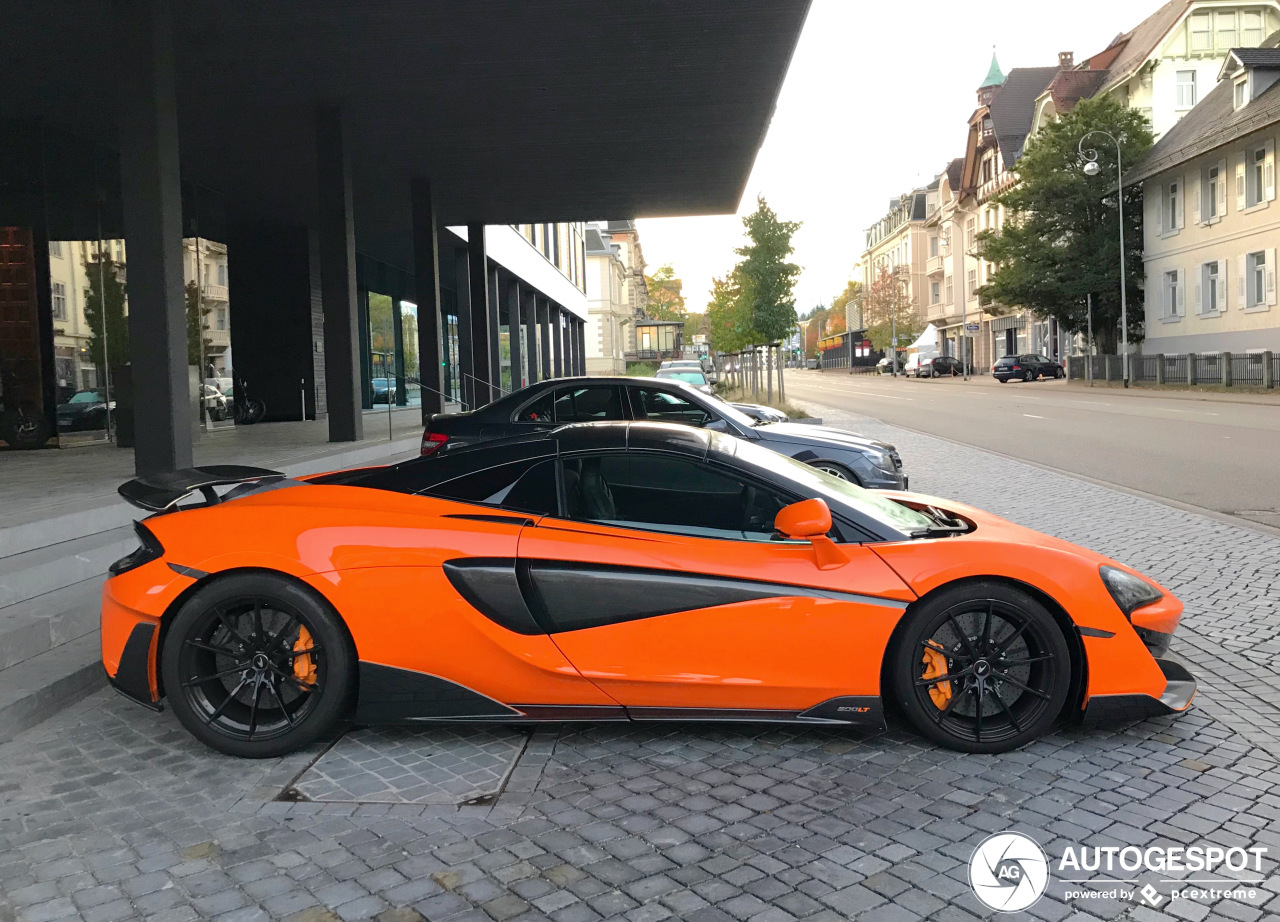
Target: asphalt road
x,y
1214,454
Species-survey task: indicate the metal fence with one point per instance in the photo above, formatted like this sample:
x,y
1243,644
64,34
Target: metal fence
x,y
1212,369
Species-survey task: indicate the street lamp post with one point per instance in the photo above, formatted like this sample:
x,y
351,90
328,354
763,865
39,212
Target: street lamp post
x,y
1091,168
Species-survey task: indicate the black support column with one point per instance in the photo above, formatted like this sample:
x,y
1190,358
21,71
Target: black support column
x,y
152,195
514,326
466,363
544,320
557,337
478,274
529,305
336,230
582,347
426,268
495,333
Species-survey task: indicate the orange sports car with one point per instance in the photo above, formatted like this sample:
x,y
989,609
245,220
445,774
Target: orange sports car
x,y
616,571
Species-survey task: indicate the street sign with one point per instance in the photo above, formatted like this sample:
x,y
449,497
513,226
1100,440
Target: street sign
x,y
972,327
895,340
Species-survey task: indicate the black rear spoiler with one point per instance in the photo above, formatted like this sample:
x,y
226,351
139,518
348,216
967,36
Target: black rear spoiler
x,y
163,492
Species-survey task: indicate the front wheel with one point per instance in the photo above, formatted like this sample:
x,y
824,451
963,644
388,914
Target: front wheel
x,y
839,472
981,667
256,665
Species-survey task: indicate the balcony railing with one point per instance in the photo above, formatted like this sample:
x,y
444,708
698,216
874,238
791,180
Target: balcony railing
x,y
214,292
934,266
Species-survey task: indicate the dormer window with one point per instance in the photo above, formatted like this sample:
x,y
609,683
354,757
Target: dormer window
x,y
1241,92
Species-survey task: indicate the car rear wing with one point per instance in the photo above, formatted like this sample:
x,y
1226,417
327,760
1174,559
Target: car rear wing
x,y
163,492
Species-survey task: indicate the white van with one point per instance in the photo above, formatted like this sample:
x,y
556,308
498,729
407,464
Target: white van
x,y
912,367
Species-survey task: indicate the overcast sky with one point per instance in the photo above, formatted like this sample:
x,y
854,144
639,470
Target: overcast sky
x,y
876,102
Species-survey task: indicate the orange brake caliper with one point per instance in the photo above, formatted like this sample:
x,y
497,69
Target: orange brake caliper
x,y
304,667
935,664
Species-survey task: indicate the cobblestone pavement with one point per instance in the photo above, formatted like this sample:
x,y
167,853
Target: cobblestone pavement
x,y
111,812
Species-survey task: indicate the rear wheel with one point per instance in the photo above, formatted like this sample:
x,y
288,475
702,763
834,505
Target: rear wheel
x,y
256,666
982,667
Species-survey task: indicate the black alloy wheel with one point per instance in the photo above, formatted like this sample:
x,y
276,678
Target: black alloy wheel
x,y
256,665
1028,375
981,668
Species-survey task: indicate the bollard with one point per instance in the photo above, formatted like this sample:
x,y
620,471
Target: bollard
x,y
1268,380
1191,369
1106,368
1225,359
1159,370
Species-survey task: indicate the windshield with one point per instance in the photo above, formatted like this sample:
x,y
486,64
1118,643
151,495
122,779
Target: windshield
x,y
86,397
679,374
835,491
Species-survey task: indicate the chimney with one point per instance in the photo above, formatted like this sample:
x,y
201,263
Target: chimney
x,y
1066,59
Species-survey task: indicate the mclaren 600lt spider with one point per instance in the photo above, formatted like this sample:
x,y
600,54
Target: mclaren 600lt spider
x,y
616,571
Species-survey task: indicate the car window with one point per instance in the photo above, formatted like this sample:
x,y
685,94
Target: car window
x,y
679,374
527,485
656,491
540,411
663,406
587,404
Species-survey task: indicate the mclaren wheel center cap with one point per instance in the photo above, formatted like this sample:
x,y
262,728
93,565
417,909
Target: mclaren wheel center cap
x,y
981,668
260,661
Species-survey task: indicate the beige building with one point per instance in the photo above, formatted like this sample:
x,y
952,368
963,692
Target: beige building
x,y
1212,222
898,243
610,316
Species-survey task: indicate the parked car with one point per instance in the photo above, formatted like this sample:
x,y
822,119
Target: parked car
x,y
694,376
760,413
915,360
1028,367
941,366
384,390
86,411
548,404
616,571
216,403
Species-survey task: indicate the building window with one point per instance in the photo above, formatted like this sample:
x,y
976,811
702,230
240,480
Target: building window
x,y
935,292
1202,32
1226,30
1256,278
1186,89
1172,293
1251,29
1240,87
970,234
55,248
933,245
1171,218
986,170
222,274
59,301
951,290
1210,189
222,318
973,284
1256,190
1211,288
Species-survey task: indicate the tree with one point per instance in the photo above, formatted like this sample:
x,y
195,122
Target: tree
x,y
197,309
1060,241
666,301
849,301
765,276
106,298
888,309
729,316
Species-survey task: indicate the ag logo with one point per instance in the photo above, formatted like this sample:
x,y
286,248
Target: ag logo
x,y
1008,872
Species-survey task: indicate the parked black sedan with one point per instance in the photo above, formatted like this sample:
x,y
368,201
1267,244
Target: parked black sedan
x,y
1027,367
548,404
940,366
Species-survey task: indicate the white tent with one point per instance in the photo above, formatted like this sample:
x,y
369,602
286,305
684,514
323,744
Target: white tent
x,y
928,341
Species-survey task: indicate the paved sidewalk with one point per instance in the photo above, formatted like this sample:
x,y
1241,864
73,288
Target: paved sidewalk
x,y
111,812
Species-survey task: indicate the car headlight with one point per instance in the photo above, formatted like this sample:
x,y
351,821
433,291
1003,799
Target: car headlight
x,y
883,461
1129,592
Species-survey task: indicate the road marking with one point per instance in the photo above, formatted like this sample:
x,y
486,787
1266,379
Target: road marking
x,y
1033,416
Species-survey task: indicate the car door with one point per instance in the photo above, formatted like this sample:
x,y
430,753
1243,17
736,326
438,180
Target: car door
x,y
660,581
658,404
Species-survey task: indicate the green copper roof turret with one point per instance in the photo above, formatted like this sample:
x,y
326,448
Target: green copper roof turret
x,y
995,76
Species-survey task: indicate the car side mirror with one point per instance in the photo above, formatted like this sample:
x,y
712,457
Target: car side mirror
x,y
716,424
810,520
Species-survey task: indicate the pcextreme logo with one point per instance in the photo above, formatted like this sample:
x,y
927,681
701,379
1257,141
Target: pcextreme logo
x,y
1008,872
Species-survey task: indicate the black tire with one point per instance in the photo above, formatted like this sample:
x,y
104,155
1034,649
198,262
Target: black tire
x,y
839,471
231,659
1010,659
255,409
26,429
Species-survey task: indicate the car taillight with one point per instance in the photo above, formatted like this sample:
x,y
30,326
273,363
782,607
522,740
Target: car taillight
x,y
149,549
432,442
1017,368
